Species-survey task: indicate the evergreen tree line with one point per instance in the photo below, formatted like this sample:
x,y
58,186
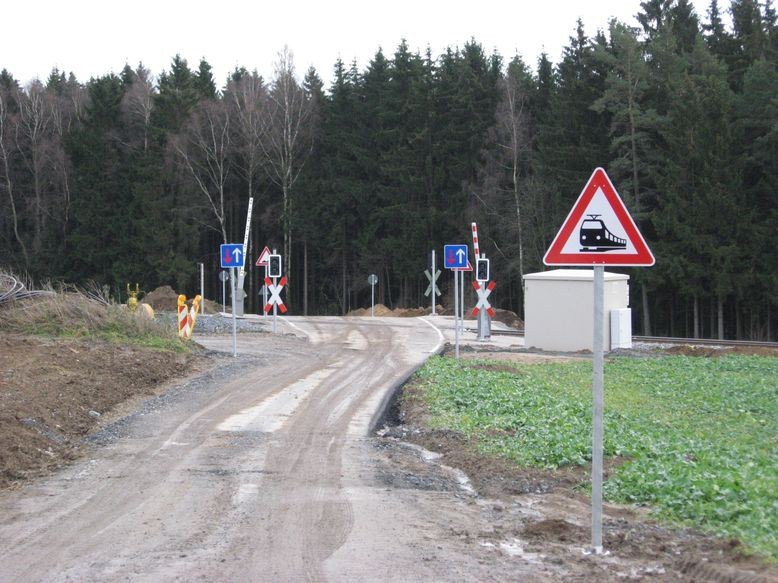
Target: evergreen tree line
x,y
129,178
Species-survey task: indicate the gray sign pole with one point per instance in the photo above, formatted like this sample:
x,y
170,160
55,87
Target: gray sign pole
x,y
275,305
233,288
432,282
264,295
462,300
597,408
223,277
202,288
456,314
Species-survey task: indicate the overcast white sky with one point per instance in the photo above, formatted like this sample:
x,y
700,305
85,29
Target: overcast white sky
x,y
95,37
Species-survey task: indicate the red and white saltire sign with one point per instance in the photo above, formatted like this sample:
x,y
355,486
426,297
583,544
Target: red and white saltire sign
x,y
275,295
483,303
599,230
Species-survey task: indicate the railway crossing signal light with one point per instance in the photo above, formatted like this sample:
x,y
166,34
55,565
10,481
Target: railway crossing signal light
x,y
274,266
482,270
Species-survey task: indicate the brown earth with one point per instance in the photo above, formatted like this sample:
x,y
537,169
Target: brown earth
x,y
642,548
713,351
165,299
54,392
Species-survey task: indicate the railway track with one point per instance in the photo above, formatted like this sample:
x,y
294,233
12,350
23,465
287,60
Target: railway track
x,y
665,340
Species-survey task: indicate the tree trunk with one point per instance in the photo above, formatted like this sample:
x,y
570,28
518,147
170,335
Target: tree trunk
x,y
305,277
343,295
696,316
14,216
518,216
388,289
287,262
720,304
646,313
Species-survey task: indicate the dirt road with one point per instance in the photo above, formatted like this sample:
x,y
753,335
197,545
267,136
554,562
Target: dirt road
x,y
265,475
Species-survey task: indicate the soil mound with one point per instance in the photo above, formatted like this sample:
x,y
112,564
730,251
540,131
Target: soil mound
x,y
55,391
382,311
162,299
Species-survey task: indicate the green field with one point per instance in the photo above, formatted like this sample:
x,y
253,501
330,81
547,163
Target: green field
x,y
699,435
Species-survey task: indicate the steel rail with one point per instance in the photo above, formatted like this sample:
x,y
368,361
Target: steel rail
x,y
665,339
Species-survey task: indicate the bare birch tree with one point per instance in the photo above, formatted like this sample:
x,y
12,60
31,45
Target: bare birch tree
x,y
66,108
203,151
514,141
286,138
138,102
34,123
246,97
6,146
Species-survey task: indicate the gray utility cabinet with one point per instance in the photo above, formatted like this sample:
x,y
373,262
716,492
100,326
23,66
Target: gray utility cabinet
x,y
559,309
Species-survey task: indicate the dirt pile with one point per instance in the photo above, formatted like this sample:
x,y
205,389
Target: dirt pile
x,y
54,392
382,311
165,299
162,299
714,351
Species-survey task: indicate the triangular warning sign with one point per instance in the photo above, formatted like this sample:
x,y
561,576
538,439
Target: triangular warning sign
x,y
599,230
263,258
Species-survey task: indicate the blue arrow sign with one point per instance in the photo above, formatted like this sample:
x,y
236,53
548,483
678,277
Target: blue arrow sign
x,y
231,255
455,256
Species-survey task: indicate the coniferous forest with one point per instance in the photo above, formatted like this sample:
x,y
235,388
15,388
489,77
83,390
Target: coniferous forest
x,y
138,177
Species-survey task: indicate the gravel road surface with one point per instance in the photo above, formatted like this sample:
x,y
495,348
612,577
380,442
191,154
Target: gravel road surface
x,y
260,471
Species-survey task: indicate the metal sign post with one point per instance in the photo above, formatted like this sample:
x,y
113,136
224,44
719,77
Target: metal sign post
x,y
224,276
233,289
456,314
597,409
433,279
275,309
202,287
462,301
264,295
372,280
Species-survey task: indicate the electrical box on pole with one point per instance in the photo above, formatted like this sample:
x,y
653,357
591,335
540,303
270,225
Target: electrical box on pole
x,y
482,270
274,266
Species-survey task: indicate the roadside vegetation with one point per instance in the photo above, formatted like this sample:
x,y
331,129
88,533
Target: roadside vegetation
x,y
85,314
696,439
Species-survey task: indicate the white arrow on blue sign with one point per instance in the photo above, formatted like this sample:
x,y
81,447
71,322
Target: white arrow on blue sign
x,y
232,255
455,256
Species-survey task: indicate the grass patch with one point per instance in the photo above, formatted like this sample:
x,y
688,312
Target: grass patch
x,y
75,314
700,435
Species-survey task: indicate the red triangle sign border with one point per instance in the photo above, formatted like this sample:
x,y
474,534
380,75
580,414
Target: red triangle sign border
x,y
642,256
265,254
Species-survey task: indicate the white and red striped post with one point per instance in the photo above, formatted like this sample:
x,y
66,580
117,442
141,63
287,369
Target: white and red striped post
x,y
484,322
